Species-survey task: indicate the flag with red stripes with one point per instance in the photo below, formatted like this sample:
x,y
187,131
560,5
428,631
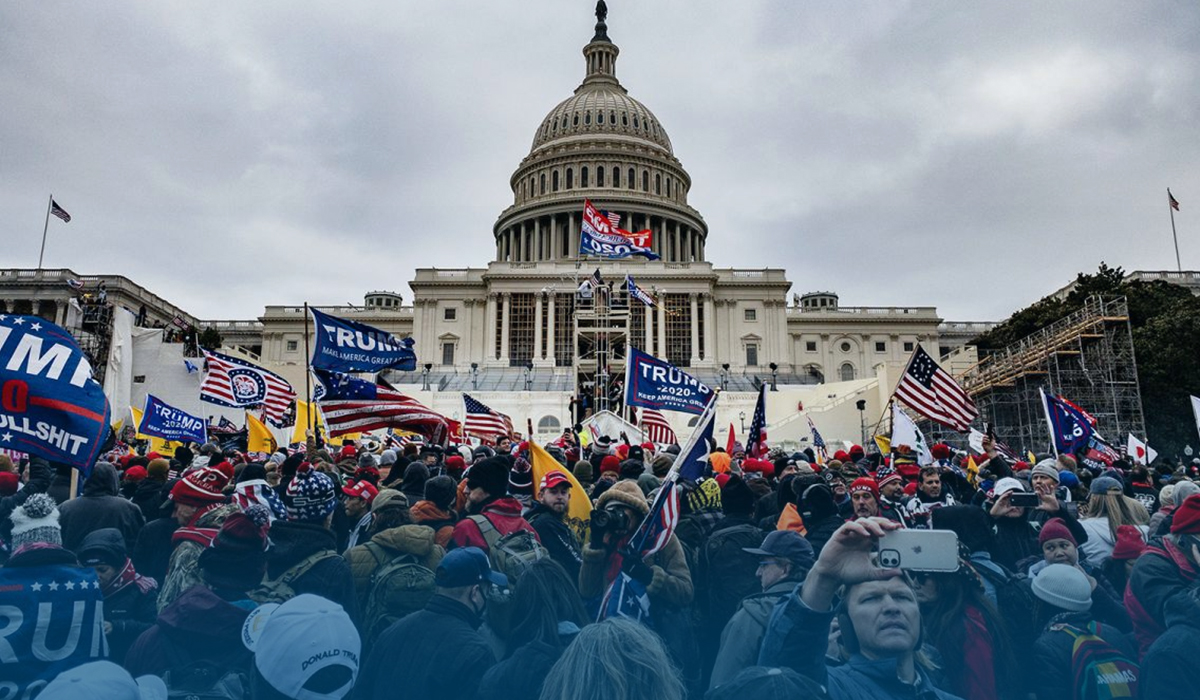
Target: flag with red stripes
x,y
62,213
1172,201
484,422
931,391
229,381
656,428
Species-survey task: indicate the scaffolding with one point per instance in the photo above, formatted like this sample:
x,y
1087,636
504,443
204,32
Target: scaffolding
x,y
1086,357
94,333
601,326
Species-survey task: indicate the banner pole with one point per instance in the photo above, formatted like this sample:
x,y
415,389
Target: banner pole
x,y
307,372
1170,209
50,203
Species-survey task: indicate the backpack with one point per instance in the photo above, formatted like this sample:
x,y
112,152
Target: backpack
x,y
1099,670
511,554
728,572
280,590
1015,603
398,587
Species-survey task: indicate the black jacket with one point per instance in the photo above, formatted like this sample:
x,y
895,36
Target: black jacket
x,y
557,537
130,609
435,654
1165,667
149,497
1053,677
99,507
1017,538
521,675
151,553
330,578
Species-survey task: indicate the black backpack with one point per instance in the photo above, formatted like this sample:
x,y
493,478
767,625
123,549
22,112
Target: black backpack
x,y
1016,604
728,571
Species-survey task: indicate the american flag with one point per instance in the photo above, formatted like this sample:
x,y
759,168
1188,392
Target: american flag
x,y
62,213
818,442
930,390
595,279
756,443
355,405
229,381
627,597
613,218
483,421
1170,200
656,428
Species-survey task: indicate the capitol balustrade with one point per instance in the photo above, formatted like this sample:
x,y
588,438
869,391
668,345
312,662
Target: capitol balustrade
x,y
924,312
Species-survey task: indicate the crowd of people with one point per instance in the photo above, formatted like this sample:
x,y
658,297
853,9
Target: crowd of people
x,y
426,571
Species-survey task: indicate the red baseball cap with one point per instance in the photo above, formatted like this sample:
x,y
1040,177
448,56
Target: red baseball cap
x,y
361,489
552,479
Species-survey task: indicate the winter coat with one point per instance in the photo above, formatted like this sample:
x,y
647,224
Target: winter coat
x,y
199,626
130,606
1053,677
442,521
149,498
1100,541
558,538
671,584
437,653
329,578
505,516
416,540
152,553
1161,572
99,507
1174,652
1107,605
60,484
184,570
821,530
742,637
522,674
1017,538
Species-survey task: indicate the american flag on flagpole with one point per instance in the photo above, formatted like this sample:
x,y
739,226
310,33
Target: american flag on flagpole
x,y
930,390
626,596
818,442
1172,201
483,421
656,427
229,381
62,213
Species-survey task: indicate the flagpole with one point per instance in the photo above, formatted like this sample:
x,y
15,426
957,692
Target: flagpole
x,y
1049,421
1170,209
307,372
46,227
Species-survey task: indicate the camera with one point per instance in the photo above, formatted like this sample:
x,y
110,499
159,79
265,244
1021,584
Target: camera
x,y
610,520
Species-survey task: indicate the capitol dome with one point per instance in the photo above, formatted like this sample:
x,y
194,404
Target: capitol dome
x,y
602,145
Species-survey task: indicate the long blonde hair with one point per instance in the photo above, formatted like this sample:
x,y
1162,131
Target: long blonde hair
x,y
1116,509
614,660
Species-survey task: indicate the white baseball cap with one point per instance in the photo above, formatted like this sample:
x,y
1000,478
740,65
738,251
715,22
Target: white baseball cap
x,y
103,679
293,641
1007,484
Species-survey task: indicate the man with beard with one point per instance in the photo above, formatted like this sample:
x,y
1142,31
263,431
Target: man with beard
x,y
930,495
548,518
864,497
891,494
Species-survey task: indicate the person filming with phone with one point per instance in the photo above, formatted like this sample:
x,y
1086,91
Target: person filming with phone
x,y
878,615
1018,516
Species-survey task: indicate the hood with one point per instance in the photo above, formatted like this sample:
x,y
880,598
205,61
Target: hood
x,y
426,510
199,617
504,506
408,539
108,541
415,476
293,541
148,488
102,481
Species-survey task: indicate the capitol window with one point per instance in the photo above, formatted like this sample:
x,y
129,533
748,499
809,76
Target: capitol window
x,y
750,314
587,118
657,183
845,347
600,117
583,176
612,118
635,122
616,177
570,178
624,119
645,180
575,120
880,346
293,345
810,346
600,177
543,183
751,354
548,424
449,314
908,346
554,181
632,179
447,353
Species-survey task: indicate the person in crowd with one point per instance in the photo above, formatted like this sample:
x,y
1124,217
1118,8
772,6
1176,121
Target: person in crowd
x,y
783,559
103,679
100,507
36,536
303,547
435,510
1160,522
1130,545
1058,547
1175,650
304,649
879,619
413,483
204,625
1016,528
437,653
489,507
393,535
41,474
1167,567
864,498
199,509
548,518
891,494
547,615
836,482
356,499
130,478
130,599
152,491
930,495
763,683
1107,509
616,659
821,515
1065,594
252,487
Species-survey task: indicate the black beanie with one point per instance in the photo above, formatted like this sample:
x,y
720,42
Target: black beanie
x,y
491,475
237,557
184,456
736,497
818,501
632,468
441,491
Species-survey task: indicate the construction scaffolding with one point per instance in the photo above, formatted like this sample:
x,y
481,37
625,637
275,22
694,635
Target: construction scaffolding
x,y
94,333
601,326
1086,357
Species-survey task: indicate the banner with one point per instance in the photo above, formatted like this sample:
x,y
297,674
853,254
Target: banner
x,y
1070,427
49,404
906,433
599,238
350,346
637,292
654,383
1099,455
162,420
164,448
258,436
52,619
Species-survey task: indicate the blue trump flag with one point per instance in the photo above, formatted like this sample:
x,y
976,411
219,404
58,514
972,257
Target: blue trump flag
x,y
49,404
654,383
350,346
336,386
1070,427
163,420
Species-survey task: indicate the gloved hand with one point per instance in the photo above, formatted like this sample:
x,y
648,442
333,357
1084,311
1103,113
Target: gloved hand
x,y
637,569
595,537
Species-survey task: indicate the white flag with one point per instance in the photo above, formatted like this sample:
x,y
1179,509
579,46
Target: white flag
x,y
1196,411
975,441
905,432
1139,452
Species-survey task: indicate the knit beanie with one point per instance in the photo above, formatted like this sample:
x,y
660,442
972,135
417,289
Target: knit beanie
x,y
704,497
866,484
736,497
310,495
440,491
1166,495
1184,490
661,464
158,469
387,458
1130,544
1186,518
610,463
632,468
388,498
200,488
35,521
583,471
491,475
1056,529
366,459
627,493
886,475
1046,467
1064,587
520,481
237,557
184,456
8,483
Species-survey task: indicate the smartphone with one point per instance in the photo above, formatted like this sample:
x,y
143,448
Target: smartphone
x,y
919,550
1024,499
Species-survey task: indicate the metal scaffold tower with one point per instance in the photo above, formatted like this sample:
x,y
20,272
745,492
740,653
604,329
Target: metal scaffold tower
x,y
1087,357
94,334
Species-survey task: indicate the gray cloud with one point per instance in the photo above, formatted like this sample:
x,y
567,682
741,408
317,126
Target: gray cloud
x,y
233,156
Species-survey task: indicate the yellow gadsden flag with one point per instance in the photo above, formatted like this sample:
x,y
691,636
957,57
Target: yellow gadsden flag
x,y
579,511
258,436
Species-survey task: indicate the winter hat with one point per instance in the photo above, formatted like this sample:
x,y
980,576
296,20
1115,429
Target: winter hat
x,y
706,496
237,557
491,475
661,464
1068,479
1166,495
736,497
1063,586
722,479
1103,485
366,459
440,491
1005,485
610,463
866,484
886,475
738,448
1186,518
310,496
856,452
818,500
940,451
297,640
1130,544
200,488
389,498
632,468
387,458
158,469
456,464
602,445
583,471
720,462
626,493
636,452
36,520
1046,467
910,489
1184,490
104,546
8,483
1056,529
103,679
225,468
134,474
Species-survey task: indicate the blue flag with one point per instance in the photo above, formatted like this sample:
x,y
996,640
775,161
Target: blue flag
x,y
637,292
1070,427
654,383
693,456
49,404
52,620
162,420
350,346
338,386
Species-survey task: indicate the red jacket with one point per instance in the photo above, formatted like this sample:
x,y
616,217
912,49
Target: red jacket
x,y
505,516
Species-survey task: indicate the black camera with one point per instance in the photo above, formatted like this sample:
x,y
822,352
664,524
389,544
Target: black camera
x,y
610,520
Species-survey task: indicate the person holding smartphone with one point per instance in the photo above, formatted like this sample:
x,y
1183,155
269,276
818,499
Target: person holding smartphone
x,y
1018,516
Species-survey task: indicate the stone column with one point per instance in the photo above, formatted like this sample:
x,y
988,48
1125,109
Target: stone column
x,y
551,357
489,333
537,326
649,311
662,330
555,243
710,328
504,321
695,359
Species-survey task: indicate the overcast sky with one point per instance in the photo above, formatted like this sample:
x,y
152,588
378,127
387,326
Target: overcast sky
x,y
233,155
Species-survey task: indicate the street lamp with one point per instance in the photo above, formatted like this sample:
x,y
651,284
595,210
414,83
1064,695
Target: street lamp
x,y
725,377
425,376
474,376
742,417
861,405
528,375
774,376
